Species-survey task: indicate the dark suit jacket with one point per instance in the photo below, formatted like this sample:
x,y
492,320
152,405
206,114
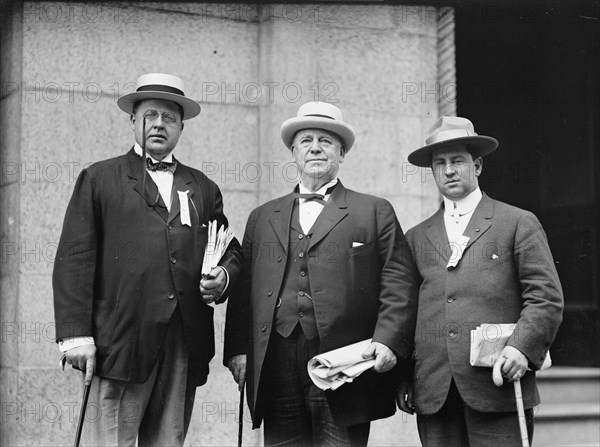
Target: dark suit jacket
x,y
123,266
359,292
506,275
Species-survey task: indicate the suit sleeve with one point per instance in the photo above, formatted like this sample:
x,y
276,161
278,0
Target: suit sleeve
x,y
399,285
232,258
237,319
541,292
75,263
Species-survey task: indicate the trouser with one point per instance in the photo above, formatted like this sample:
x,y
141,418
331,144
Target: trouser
x,y
156,412
456,424
296,411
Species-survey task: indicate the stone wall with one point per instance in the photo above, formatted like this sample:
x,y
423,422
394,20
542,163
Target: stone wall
x,y
64,66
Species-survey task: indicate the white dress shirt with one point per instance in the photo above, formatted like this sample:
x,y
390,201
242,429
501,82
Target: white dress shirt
x,y
309,210
457,215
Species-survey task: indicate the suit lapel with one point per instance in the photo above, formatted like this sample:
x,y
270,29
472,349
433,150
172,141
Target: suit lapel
x,y
436,233
280,219
480,221
334,211
151,193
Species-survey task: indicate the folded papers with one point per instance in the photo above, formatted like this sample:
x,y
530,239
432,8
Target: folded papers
x,y
216,246
332,369
487,342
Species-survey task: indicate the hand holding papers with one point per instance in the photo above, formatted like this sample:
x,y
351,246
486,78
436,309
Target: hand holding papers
x,y
215,247
332,369
487,342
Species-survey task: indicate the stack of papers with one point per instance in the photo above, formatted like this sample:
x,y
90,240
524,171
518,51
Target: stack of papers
x,y
332,369
216,246
487,342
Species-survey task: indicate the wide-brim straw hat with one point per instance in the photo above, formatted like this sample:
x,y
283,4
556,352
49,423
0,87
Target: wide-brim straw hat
x,y
449,131
318,115
160,86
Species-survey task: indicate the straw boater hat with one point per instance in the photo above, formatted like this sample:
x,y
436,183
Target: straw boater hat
x,y
318,115
160,86
451,131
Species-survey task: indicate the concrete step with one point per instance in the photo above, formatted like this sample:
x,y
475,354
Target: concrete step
x,y
569,424
569,384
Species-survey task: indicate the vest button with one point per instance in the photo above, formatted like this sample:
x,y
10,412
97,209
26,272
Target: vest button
x,y
173,260
278,258
301,293
452,334
270,292
170,227
300,236
301,314
450,299
301,255
171,295
302,273
264,328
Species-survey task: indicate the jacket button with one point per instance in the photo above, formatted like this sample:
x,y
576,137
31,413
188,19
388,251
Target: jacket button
x,y
302,273
278,258
301,293
301,314
301,255
300,236
171,295
450,299
173,260
263,329
452,334
269,293
170,227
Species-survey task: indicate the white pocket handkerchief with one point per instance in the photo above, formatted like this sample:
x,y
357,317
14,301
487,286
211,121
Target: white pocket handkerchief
x,y
357,244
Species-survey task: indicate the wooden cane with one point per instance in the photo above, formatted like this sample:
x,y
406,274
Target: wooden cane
x,y
241,416
84,401
521,412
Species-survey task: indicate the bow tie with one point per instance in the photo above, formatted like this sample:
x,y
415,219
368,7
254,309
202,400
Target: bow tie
x,y
320,198
161,166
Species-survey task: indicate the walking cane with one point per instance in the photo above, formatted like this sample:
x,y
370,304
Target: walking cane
x,y
497,377
241,415
84,401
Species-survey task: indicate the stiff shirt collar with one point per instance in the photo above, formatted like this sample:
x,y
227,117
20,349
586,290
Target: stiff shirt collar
x,y
465,205
304,190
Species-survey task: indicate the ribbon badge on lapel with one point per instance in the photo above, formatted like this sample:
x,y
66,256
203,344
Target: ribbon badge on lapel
x,y
457,250
184,208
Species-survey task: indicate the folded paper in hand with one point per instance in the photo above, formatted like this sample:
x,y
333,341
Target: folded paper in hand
x,y
487,342
332,369
216,246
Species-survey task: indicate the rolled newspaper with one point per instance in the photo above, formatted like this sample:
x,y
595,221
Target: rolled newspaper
x,y
218,240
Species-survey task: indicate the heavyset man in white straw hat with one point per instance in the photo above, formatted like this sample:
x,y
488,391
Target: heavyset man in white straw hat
x,y
324,267
480,261
130,306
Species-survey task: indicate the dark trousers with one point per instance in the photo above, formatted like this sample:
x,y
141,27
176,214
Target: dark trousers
x,y
296,411
458,425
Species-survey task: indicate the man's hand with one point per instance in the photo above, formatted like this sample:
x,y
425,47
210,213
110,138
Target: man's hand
x,y
237,366
213,285
83,358
385,359
511,364
404,398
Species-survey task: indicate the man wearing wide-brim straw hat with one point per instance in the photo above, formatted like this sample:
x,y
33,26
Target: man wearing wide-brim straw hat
x,y
481,261
325,267
130,305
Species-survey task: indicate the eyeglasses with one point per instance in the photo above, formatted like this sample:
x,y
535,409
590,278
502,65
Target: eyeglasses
x,y
167,118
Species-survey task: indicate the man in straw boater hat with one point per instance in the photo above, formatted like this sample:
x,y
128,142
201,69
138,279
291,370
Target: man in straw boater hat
x,y
130,305
324,267
480,261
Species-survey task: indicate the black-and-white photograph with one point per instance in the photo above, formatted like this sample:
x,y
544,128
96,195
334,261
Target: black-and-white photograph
x,y
334,223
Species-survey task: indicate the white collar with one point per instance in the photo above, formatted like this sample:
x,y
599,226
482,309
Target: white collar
x,y
464,205
138,150
304,190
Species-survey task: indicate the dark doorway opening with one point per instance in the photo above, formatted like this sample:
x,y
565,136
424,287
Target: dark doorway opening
x,y
528,74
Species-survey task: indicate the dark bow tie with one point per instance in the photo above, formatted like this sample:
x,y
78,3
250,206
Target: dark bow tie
x,y
161,166
320,198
